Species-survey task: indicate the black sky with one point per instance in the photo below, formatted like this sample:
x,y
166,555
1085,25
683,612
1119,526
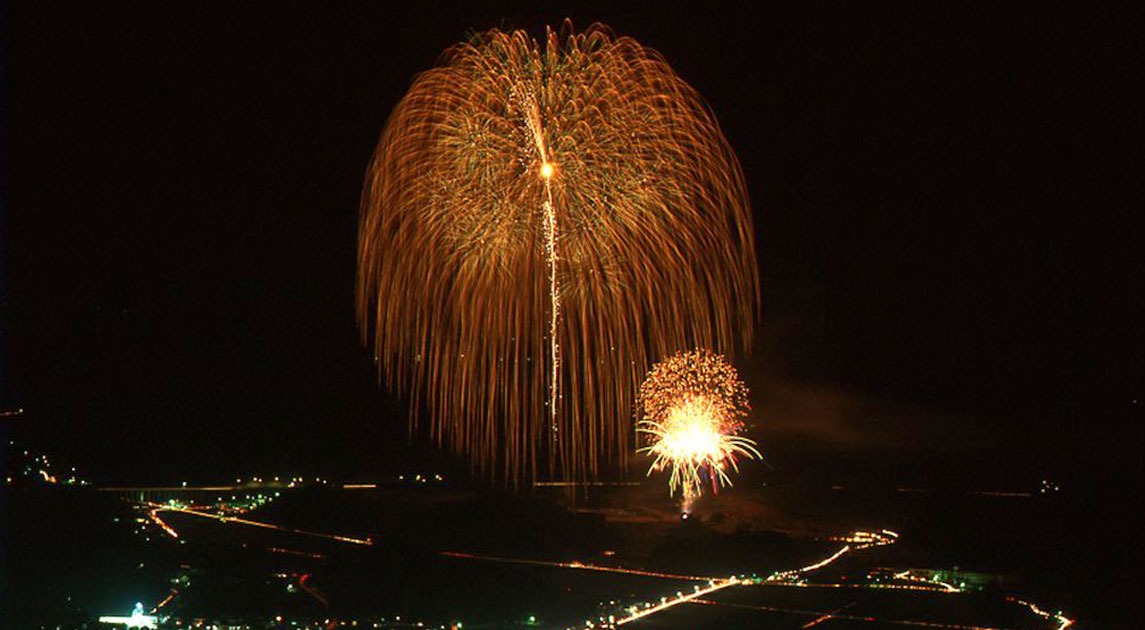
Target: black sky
x,y
947,204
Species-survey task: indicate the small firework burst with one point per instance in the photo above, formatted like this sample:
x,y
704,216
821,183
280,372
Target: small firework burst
x,y
691,409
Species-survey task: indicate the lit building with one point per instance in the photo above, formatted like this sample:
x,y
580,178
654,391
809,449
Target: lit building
x,y
136,620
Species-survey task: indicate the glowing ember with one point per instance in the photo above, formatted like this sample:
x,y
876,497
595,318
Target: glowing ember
x,y
691,408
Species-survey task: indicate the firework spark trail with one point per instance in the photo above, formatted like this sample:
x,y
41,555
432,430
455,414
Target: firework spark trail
x,y
554,297
513,307
690,410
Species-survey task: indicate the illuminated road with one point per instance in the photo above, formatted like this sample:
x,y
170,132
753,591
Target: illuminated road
x,y
821,617
304,584
1062,621
903,580
233,488
166,600
154,514
859,540
157,507
856,541
834,614
796,578
576,565
679,599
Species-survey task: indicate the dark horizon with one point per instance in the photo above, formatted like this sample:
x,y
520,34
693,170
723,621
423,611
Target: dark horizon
x,y
946,210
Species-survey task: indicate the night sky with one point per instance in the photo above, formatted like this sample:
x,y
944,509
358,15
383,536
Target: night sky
x,y
947,203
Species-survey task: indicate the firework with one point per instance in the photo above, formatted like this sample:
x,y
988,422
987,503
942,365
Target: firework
x,y
538,219
691,409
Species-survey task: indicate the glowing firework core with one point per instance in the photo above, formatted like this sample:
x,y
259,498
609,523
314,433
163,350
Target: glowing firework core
x,y
692,405
691,432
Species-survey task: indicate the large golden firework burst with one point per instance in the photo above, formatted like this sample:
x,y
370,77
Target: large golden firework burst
x,y
538,221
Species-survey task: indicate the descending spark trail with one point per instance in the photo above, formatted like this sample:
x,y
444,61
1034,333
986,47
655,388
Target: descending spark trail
x,y
555,301
546,171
